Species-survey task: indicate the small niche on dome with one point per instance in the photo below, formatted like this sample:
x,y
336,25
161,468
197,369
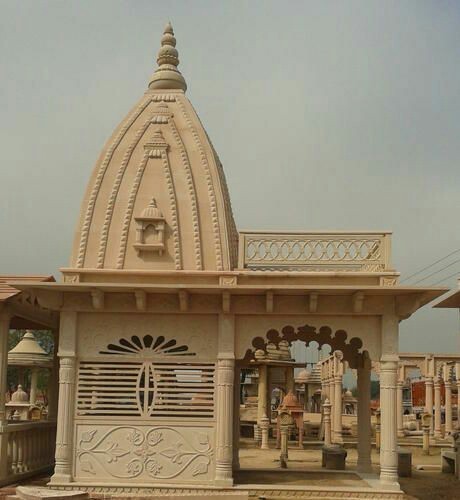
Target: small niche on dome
x,y
150,230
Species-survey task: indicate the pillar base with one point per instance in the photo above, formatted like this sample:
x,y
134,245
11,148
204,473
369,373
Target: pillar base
x,y
224,483
387,484
60,478
337,440
364,467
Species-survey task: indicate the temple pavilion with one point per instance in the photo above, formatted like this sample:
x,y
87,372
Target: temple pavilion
x,y
165,301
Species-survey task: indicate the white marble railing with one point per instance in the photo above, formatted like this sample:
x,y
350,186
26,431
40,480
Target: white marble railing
x,y
30,449
315,251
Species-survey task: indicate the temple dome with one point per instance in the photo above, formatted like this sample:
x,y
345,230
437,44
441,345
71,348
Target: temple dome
x,y
159,151
20,396
302,376
28,352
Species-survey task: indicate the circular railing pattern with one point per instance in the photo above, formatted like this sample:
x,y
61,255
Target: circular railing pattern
x,y
311,250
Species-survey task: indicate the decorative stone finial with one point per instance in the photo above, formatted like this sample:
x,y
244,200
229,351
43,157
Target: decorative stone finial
x,y
167,76
152,211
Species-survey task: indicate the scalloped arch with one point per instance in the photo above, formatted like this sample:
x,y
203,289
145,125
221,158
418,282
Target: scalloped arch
x,y
324,335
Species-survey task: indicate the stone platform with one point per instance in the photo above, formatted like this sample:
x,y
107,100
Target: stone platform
x,y
275,484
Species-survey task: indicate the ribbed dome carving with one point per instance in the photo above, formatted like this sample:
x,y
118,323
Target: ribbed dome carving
x,y
159,151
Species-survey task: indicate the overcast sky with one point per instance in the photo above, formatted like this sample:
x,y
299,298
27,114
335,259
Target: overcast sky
x,y
325,114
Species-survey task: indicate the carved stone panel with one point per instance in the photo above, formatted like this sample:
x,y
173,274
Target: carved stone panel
x,y
197,332
144,453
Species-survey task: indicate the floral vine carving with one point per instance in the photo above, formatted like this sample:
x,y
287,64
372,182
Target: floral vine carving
x,y
128,452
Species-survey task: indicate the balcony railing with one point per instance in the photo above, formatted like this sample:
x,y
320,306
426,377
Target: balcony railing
x,y
30,449
315,251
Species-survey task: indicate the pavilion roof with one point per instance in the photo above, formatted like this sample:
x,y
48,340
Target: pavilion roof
x,y
450,300
7,290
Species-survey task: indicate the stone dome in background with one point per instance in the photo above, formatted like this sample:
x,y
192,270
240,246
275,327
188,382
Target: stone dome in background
x,y
20,396
28,352
159,151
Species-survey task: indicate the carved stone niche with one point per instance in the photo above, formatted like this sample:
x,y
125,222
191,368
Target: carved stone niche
x,y
150,230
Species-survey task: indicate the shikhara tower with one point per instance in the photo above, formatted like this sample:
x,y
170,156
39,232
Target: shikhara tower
x,y
160,151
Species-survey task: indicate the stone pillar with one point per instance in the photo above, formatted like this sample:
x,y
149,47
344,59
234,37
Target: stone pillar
x,y
337,374
389,441
457,376
224,440
264,426
33,385
64,431
21,376
261,397
364,414
269,393
338,439
327,422
331,391
236,420
67,374
53,384
290,383
437,408
448,406
429,398
377,430
426,420
399,408
458,403
4,331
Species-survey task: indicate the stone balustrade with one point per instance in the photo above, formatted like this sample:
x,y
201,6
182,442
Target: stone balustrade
x,y
315,251
30,449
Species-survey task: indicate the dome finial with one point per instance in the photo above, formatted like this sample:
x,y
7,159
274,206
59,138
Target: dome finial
x,y
167,76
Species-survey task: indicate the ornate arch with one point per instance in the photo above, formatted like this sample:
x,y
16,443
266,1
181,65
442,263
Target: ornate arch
x,y
307,333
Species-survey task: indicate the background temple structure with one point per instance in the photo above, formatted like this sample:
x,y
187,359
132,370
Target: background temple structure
x,y
165,304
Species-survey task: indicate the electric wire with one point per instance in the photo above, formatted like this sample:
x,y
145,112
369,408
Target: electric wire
x,y
436,272
430,265
446,278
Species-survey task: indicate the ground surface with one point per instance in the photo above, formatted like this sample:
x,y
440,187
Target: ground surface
x,y
423,485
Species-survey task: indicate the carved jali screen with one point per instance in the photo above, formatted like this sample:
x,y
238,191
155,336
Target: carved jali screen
x,y
135,378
